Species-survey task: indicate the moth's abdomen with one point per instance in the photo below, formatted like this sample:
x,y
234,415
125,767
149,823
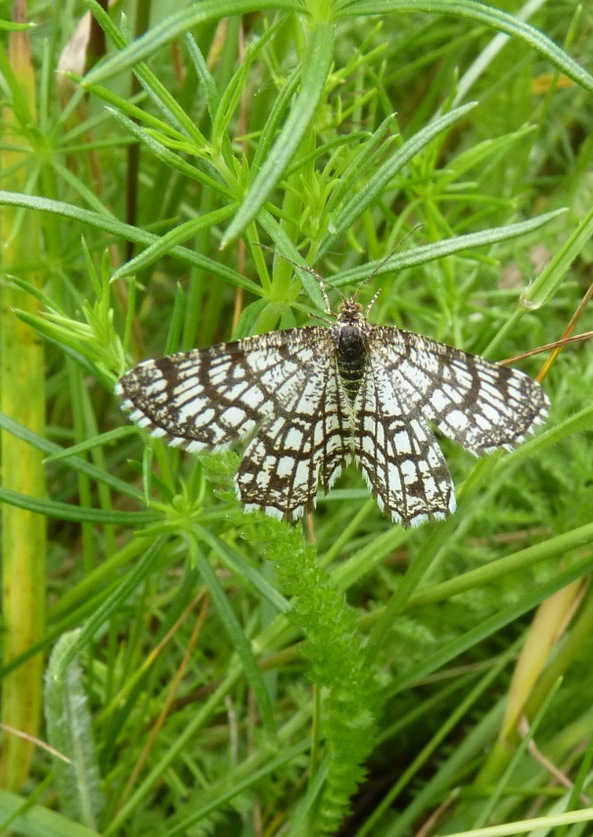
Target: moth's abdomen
x,y
351,353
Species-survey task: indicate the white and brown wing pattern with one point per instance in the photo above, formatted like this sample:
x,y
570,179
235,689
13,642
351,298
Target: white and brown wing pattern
x,y
308,400
412,382
305,441
210,398
478,404
280,390
397,452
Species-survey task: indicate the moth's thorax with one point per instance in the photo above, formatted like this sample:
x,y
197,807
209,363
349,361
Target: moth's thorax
x,y
350,333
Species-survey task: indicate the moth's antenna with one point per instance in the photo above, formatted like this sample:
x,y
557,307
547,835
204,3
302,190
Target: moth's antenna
x,y
372,302
305,267
382,262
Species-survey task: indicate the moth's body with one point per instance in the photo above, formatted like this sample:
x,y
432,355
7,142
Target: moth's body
x,y
308,400
349,333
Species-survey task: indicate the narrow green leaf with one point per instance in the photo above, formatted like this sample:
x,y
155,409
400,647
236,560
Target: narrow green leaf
x,y
237,563
87,468
224,798
18,814
547,283
488,574
167,242
375,186
128,585
79,514
89,444
528,601
445,247
160,145
316,65
109,224
206,80
171,27
363,161
482,13
272,124
240,643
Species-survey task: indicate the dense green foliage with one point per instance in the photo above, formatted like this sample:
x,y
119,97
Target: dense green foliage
x,y
217,672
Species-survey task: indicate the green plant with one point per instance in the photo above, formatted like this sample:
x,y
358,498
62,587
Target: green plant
x,y
235,672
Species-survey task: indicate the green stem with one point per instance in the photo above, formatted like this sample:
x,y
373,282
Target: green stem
x,y
22,398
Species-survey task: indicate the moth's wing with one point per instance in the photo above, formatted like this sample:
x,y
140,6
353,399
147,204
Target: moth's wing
x,y
479,404
397,452
210,398
304,442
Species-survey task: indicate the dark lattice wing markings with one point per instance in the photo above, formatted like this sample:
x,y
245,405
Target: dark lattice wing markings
x,y
304,442
308,400
478,404
281,389
212,397
397,452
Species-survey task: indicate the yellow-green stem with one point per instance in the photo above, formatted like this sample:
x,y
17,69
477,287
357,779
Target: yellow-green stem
x,y
21,398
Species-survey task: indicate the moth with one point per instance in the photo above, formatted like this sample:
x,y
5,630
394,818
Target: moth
x,y
306,401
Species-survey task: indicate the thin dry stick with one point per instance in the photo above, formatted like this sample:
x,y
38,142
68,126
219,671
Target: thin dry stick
x,y
557,344
569,329
544,761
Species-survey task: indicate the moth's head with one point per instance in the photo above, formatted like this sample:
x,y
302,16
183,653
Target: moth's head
x,y
350,311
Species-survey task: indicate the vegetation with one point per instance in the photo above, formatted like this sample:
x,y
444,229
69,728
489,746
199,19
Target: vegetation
x,y
207,671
